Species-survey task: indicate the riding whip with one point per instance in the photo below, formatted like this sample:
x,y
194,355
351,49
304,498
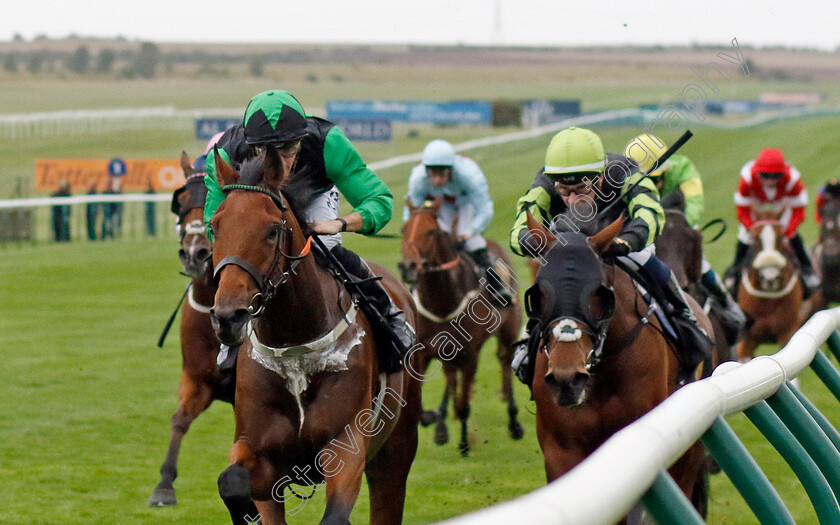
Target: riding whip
x,y
172,317
659,162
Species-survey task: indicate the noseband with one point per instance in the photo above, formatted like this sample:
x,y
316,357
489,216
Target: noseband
x,y
268,282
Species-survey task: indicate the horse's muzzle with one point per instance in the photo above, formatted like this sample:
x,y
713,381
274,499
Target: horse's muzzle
x,y
568,391
409,271
195,262
230,324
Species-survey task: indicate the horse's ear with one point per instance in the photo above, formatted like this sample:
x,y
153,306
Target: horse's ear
x,y
272,168
224,173
602,240
185,164
537,230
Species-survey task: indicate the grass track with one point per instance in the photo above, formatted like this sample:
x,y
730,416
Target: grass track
x,y
87,396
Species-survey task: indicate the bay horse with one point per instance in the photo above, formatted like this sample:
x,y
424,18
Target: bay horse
x,y
456,317
827,251
312,407
603,360
770,290
201,381
681,247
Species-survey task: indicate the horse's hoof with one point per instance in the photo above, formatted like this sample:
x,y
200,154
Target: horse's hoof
x,y
428,417
516,431
162,498
441,434
465,450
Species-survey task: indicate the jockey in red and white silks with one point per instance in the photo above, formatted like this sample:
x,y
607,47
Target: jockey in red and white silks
x,y
770,187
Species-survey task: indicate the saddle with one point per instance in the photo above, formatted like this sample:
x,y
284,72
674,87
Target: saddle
x,y
690,348
359,289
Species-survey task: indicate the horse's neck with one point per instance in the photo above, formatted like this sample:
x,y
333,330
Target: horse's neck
x,y
445,289
302,309
626,315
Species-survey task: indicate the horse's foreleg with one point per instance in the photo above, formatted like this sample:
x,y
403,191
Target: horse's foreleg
x,y
272,512
441,431
236,482
436,416
193,398
462,402
387,472
343,462
505,355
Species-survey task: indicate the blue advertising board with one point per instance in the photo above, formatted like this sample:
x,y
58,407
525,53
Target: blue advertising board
x,y
370,130
462,112
206,128
537,112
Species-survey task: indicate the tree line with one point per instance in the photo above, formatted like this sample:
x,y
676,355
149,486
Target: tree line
x,y
147,60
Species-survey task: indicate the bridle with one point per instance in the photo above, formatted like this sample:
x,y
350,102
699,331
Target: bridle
x,y
269,281
415,250
570,328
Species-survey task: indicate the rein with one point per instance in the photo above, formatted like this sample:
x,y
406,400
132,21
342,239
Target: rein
x,y
439,268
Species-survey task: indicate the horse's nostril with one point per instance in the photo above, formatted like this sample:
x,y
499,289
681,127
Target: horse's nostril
x,y
182,254
202,254
579,381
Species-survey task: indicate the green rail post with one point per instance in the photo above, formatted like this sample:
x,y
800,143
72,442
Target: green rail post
x,y
834,344
818,416
815,484
809,434
745,474
667,503
827,373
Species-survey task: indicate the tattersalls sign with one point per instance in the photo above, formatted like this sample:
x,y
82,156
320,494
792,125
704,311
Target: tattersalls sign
x,y
162,174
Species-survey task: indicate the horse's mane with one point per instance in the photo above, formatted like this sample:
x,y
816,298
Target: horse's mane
x,y
299,189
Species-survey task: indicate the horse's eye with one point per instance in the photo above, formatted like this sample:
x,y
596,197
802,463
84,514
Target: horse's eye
x,y
273,234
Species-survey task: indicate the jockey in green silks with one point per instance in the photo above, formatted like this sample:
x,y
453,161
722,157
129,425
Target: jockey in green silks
x,y
317,149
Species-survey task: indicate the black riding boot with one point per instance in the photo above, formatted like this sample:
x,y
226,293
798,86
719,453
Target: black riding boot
x,y
399,334
732,276
731,316
694,342
525,354
806,267
497,289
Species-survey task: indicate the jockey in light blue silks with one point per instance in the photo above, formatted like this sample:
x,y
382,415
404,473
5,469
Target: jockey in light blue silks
x,y
463,187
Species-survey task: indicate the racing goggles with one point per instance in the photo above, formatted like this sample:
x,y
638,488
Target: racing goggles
x,y
574,179
284,149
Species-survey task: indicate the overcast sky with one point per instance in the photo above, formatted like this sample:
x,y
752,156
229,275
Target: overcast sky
x,y
807,23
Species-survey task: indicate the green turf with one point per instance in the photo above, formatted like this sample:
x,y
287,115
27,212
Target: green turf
x,y
87,396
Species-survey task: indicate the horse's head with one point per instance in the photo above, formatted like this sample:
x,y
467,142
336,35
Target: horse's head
x,y
680,247
571,302
770,256
425,246
188,205
830,230
258,241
